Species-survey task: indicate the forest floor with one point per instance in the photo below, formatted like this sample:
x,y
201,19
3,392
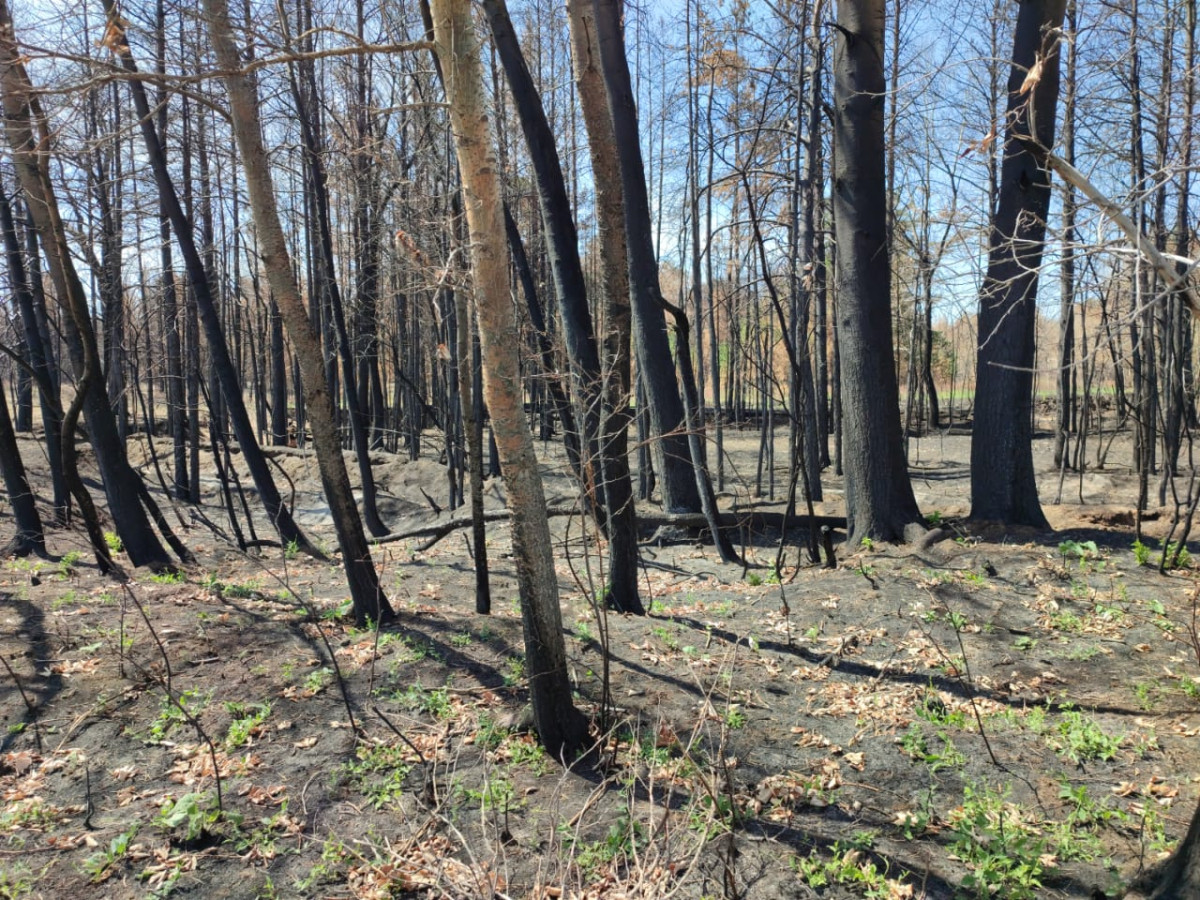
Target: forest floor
x,y
1001,715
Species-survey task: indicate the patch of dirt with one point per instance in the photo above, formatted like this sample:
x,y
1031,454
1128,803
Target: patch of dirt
x,y
1005,714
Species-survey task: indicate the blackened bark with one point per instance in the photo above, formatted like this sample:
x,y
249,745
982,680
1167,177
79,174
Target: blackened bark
x,y
29,537
600,470
38,348
675,469
365,590
1003,484
231,386
879,497
561,727
30,146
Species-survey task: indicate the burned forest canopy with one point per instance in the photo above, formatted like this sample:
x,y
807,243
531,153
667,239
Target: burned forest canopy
x,y
847,341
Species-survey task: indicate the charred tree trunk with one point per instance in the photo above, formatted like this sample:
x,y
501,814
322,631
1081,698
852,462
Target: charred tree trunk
x,y
28,135
1003,485
370,604
676,467
879,497
206,309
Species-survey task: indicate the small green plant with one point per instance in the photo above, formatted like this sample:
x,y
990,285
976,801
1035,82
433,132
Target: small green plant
x,y
1003,852
435,703
915,745
496,793
1082,739
514,671
100,866
1062,620
754,579
317,680
1025,643
291,550
196,814
16,881
462,639
867,543
170,714
378,773
1141,553
113,540
848,865
934,519
1084,652
1080,550
529,755
246,719
67,598
624,838
735,719
1176,556
68,563
167,578
933,709
668,639
241,591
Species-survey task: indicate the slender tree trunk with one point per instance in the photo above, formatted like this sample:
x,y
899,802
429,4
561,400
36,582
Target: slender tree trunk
x,y
365,590
37,345
29,537
1066,349
617,314
676,468
304,95
560,726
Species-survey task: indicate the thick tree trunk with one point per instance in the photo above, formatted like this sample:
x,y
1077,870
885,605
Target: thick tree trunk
x,y
879,497
365,590
1178,878
1003,485
561,727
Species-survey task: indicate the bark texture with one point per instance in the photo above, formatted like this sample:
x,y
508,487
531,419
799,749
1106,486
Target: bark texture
x,y
879,497
560,725
365,590
1003,486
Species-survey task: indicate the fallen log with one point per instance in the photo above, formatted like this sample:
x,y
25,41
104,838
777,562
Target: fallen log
x,y
648,521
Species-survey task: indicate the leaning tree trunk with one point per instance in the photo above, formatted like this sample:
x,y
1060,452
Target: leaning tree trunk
x,y
560,726
602,474
206,308
879,497
30,150
38,348
1003,485
365,590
